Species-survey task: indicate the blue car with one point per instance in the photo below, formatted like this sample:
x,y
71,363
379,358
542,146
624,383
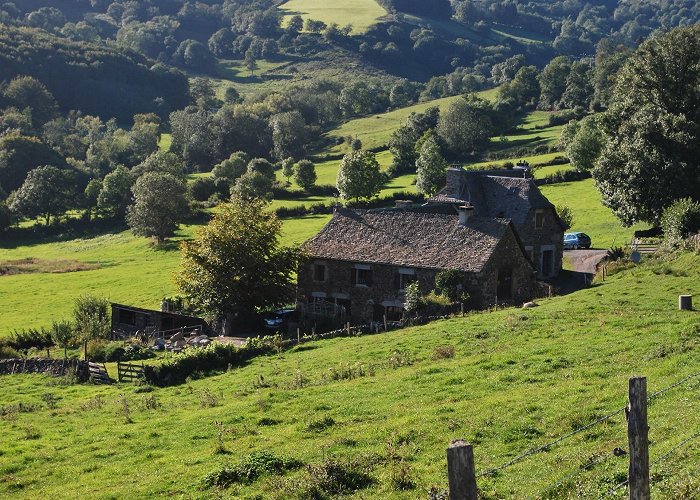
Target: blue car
x,y
576,241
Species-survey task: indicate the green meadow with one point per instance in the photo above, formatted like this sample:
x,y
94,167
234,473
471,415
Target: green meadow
x,y
375,131
377,412
361,14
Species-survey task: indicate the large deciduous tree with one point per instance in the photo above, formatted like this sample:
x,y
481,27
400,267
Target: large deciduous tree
x,y
305,174
46,191
115,194
584,148
653,128
465,127
159,205
359,176
235,266
431,168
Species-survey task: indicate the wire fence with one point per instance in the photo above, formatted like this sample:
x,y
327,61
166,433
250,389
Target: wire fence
x,y
590,465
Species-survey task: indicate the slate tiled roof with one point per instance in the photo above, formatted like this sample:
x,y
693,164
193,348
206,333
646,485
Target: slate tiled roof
x,y
408,238
492,196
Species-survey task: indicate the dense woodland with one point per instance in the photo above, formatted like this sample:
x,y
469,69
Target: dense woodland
x,y
89,86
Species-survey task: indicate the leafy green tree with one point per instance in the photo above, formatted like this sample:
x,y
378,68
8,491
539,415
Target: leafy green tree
x,y
681,219
231,168
159,205
450,284
295,23
193,55
359,176
465,127
402,146
250,61
566,216
289,134
431,168
47,191
586,145
220,275
160,161
91,195
202,188
91,318
653,129
19,154
305,174
6,216
609,58
262,166
115,195
553,81
62,335
251,186
288,168
28,92
579,86
524,89
193,137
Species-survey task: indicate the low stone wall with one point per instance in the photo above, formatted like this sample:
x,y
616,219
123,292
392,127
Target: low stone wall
x,y
53,367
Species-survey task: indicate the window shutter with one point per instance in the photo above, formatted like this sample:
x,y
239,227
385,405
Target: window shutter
x,y
397,281
353,276
369,278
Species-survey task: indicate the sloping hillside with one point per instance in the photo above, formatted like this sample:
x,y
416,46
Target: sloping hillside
x,y
381,409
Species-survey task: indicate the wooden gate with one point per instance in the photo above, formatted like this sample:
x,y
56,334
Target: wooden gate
x,y
127,372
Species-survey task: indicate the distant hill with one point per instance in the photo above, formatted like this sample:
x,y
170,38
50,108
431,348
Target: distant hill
x,y
93,78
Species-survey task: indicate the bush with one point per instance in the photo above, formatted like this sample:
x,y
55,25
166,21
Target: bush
x,y
681,219
444,352
321,424
202,188
250,468
215,356
23,340
7,352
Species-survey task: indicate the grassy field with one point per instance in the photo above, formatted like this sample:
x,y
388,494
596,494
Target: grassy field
x,y
375,131
361,14
131,270
590,216
382,409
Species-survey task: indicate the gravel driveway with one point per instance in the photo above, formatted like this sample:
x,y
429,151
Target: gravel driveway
x,y
584,261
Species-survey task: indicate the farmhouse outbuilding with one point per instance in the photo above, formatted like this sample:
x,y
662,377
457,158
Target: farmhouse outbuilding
x,y
362,260
130,319
507,194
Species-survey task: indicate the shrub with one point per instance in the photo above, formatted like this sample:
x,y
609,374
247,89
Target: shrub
x,y
215,356
444,352
333,477
23,340
320,424
250,468
681,219
7,352
400,358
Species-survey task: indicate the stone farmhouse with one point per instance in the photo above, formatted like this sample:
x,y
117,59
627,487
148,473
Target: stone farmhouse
x,y
495,227
507,194
362,260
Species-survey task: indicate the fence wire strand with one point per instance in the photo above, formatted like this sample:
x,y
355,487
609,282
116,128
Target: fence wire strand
x,y
543,447
679,445
663,391
602,419
582,468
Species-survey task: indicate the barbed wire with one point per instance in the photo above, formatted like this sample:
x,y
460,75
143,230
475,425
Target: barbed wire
x,y
663,391
582,468
656,461
543,447
602,419
679,445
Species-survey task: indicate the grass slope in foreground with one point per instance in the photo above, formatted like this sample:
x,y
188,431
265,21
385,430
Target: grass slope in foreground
x,y
518,379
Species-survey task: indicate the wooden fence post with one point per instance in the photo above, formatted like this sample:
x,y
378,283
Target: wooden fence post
x,y
638,436
460,470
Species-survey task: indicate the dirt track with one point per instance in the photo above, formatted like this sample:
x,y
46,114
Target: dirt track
x,y
584,261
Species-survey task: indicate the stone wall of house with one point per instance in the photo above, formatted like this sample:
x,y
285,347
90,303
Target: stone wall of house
x,y
507,254
550,233
339,285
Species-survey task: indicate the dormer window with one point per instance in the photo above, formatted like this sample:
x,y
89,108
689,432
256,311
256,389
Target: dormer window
x,y
539,219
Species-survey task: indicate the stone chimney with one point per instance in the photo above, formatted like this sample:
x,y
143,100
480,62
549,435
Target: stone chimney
x,y
465,213
454,181
403,204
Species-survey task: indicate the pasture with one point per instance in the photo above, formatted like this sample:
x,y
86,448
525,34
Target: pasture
x,y
361,14
374,414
